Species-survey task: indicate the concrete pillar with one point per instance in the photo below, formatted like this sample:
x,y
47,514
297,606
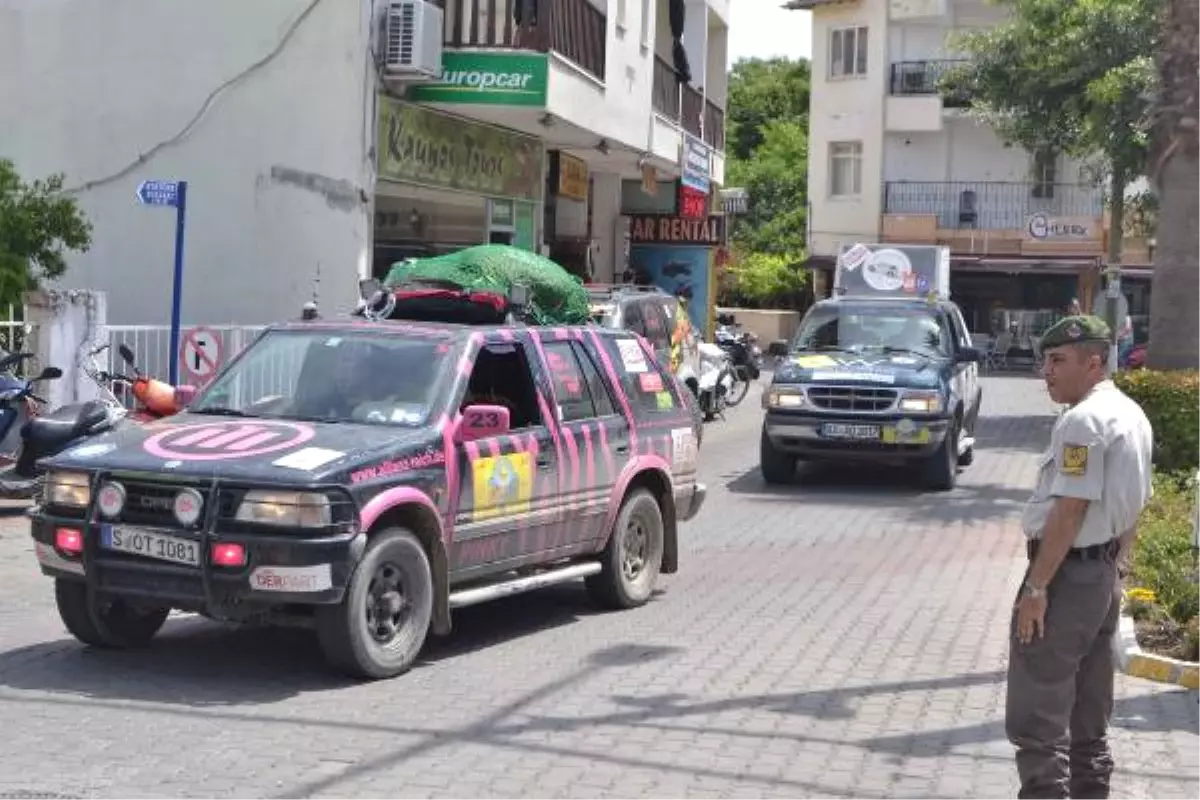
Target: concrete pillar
x,y
67,325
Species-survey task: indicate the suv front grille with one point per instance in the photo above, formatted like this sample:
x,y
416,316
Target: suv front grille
x,y
153,504
851,398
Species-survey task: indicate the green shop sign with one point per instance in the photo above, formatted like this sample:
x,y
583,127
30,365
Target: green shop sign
x,y
417,145
494,79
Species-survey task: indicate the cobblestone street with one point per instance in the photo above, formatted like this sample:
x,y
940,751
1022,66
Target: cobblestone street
x,y
845,637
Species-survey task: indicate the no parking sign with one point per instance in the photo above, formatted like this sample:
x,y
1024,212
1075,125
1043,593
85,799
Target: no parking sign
x,y
200,355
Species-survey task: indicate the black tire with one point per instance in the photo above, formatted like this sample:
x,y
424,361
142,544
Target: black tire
x,y
638,535
380,626
777,468
106,621
940,470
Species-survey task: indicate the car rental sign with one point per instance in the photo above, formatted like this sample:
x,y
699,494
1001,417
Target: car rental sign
x,y
494,79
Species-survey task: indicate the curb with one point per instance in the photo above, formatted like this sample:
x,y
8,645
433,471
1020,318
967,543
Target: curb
x,y
1133,660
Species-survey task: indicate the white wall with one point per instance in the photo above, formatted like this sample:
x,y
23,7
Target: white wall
x,y
275,166
847,109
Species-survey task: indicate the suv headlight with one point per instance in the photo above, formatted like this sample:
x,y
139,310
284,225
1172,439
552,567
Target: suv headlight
x,y
289,509
784,398
67,489
921,402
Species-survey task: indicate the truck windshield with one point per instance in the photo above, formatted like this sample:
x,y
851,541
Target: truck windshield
x,y
859,328
331,376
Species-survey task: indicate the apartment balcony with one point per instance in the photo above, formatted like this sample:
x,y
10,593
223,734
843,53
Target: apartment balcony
x,y
686,107
915,103
575,29
995,217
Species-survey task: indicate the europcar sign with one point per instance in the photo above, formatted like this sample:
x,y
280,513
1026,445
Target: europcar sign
x,y
494,79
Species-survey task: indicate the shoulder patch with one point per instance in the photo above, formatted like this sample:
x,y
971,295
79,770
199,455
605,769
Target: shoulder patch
x,y
1074,459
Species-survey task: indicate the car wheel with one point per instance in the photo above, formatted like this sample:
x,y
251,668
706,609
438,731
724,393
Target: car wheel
x,y
381,624
633,556
777,468
106,620
940,470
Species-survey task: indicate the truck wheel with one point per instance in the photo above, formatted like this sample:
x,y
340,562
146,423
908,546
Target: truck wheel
x,y
940,470
106,621
777,468
633,556
380,626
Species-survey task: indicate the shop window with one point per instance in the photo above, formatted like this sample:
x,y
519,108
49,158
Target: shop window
x,y
1045,174
848,52
501,376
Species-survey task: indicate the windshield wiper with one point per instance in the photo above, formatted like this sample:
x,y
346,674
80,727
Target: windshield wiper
x,y
306,418
887,348
220,411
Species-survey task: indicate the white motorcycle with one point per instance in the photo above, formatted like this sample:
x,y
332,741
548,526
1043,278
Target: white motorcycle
x,y
715,382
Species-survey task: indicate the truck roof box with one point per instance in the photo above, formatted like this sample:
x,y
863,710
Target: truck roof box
x,y
893,270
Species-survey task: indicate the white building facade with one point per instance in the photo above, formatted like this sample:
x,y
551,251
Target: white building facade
x,y
323,140
892,158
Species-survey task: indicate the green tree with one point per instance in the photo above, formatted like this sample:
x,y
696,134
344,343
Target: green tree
x,y
762,91
37,224
756,279
776,179
1069,76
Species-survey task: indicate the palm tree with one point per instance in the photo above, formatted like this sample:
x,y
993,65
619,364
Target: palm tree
x,y
1175,301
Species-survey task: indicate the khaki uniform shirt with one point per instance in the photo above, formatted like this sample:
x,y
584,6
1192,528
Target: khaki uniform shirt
x,y
1099,451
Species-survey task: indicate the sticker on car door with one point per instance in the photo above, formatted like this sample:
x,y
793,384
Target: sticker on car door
x,y
503,485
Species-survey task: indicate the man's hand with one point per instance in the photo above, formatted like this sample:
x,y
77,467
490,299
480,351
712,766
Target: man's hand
x,y
1031,617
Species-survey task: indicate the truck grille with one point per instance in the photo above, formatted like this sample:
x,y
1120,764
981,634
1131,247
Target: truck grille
x,y
152,504
851,398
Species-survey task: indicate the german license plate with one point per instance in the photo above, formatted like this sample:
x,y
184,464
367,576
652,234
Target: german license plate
x,y
840,430
150,544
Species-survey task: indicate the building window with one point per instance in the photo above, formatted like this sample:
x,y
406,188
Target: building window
x,y
845,169
848,52
1045,173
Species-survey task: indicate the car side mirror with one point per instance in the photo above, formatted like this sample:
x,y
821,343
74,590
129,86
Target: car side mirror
x,y
778,348
185,393
970,355
49,374
482,422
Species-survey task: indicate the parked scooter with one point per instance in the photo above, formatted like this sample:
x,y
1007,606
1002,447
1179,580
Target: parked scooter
x,y
716,381
18,403
66,427
744,356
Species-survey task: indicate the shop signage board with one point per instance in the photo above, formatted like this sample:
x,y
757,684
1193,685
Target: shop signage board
x,y
697,164
489,79
1046,228
571,176
892,270
421,146
670,229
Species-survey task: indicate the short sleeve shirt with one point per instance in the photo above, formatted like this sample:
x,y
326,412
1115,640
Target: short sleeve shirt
x,y
1099,451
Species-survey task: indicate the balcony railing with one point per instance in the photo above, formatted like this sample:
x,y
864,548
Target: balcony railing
x,y
991,205
714,125
686,107
917,78
576,29
665,89
691,111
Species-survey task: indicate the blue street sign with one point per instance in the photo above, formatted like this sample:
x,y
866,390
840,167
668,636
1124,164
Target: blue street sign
x,y
171,193
158,193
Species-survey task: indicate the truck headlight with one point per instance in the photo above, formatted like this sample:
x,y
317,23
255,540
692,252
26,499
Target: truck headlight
x,y
283,508
921,402
783,398
67,489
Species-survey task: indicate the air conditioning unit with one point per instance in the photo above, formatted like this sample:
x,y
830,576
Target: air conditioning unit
x,y
412,41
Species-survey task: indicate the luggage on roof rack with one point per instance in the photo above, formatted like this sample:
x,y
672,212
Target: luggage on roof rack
x,y
442,284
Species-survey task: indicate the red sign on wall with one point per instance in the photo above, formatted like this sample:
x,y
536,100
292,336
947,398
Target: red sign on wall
x,y
693,204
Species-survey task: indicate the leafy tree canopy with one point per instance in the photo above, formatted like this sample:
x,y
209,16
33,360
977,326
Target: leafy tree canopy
x,y
37,224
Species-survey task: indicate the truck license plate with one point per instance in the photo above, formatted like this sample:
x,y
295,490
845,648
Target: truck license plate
x,y
150,544
839,430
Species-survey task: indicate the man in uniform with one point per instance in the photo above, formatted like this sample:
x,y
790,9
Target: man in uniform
x,y
1081,521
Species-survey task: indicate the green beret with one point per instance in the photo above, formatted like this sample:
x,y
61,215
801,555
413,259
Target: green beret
x,y
1073,330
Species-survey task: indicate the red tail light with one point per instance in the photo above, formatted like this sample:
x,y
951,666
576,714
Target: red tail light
x,y
68,540
228,555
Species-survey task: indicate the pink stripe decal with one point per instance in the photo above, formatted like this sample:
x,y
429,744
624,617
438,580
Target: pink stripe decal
x,y
609,461
636,465
493,446
452,486
589,456
572,526
199,436
253,441
230,437
389,499
618,387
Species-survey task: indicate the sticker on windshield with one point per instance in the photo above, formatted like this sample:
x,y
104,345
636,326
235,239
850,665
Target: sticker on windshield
x,y
308,459
224,441
812,362
632,356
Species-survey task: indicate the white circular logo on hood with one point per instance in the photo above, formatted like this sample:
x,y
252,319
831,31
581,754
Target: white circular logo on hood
x,y
885,270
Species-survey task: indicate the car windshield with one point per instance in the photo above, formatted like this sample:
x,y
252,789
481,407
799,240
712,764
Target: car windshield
x,y
912,330
331,376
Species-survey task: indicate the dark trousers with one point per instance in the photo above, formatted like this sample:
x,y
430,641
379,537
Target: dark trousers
x,y
1060,687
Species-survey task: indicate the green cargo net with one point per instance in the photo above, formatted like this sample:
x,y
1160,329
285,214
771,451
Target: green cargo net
x,y
556,297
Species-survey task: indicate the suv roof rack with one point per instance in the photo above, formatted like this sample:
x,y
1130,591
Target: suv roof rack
x,y
623,287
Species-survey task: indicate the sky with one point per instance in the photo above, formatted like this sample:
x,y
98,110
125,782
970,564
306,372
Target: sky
x,y
761,29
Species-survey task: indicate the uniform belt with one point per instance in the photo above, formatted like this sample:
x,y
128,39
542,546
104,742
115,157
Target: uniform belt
x,y
1107,551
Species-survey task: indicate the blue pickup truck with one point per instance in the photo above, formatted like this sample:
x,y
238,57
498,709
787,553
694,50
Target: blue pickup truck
x,y
881,379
